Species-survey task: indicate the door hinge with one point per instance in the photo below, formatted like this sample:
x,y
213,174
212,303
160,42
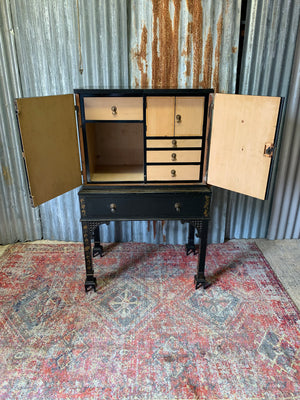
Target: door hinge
x,y
269,150
210,111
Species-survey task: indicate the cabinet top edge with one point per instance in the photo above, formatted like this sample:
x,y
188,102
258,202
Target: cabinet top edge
x,y
140,92
145,189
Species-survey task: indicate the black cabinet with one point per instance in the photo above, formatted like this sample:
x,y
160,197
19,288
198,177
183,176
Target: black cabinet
x,y
147,154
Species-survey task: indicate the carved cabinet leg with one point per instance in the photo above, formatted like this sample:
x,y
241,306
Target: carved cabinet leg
x,y
190,246
90,282
202,229
200,277
98,249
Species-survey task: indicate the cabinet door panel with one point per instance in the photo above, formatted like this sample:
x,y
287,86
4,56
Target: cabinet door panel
x,y
189,116
160,116
241,127
50,145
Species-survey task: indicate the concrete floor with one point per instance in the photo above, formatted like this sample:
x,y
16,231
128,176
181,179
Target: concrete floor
x,y
284,258
282,255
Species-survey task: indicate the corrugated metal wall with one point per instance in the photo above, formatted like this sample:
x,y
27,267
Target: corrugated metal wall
x,y
45,45
17,220
270,38
285,214
47,40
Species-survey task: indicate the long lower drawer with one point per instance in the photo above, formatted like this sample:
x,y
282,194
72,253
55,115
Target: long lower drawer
x,y
169,204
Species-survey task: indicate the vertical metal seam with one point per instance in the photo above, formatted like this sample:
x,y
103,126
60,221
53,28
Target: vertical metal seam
x,y
17,64
79,38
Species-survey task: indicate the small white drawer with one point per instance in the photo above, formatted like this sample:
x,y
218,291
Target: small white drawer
x,y
175,156
173,173
113,108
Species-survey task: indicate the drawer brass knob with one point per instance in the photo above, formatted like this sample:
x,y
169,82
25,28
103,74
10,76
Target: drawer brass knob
x,y
173,155
113,207
114,110
177,207
178,118
173,172
174,143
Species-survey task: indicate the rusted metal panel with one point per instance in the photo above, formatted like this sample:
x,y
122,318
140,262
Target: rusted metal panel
x,y
184,44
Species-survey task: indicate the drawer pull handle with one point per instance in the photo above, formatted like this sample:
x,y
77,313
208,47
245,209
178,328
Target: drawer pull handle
x,y
178,118
174,143
177,207
173,155
113,207
173,172
114,110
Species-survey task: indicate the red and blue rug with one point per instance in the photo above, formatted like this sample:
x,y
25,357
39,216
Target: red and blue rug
x,y
146,333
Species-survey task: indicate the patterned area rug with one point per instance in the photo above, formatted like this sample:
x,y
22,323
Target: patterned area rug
x,y
146,333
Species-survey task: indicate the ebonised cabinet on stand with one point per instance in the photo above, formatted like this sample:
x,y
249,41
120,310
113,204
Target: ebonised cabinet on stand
x,y
147,155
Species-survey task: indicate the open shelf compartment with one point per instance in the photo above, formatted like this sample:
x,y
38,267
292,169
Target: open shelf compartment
x,y
115,151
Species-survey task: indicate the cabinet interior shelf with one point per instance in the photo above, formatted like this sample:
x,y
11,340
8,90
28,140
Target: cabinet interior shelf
x,y
116,173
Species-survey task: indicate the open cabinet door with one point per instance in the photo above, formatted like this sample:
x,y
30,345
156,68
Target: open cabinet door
x,y
242,136
50,146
